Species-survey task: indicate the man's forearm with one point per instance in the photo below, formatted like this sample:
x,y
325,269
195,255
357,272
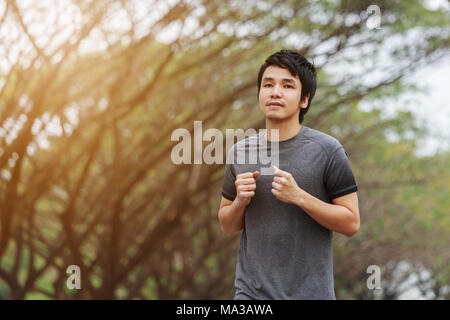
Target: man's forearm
x,y
334,217
231,218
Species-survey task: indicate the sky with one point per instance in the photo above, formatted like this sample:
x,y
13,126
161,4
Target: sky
x,y
432,107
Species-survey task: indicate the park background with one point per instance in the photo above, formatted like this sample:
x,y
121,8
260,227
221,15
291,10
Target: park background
x,y
90,92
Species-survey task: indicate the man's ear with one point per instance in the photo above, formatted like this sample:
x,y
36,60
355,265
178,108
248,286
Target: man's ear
x,y
304,102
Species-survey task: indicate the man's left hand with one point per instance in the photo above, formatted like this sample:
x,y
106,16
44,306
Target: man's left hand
x,y
285,188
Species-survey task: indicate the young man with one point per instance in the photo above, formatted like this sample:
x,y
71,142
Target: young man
x,y
288,218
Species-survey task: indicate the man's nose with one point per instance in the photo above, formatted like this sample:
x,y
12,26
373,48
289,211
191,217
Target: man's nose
x,y
276,92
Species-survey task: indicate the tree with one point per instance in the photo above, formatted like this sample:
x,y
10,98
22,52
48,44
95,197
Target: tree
x,y
105,195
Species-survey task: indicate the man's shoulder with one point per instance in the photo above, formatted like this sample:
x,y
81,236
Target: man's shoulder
x,y
328,142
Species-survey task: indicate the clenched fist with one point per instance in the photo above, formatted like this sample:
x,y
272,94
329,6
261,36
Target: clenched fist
x,y
284,187
245,187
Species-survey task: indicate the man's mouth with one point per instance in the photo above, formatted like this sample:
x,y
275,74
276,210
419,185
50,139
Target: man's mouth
x,y
274,104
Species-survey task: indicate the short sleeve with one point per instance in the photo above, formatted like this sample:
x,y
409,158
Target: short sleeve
x,y
338,175
229,178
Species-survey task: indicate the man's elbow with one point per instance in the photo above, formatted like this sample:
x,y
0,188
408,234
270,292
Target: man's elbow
x,y
353,229
223,226
229,232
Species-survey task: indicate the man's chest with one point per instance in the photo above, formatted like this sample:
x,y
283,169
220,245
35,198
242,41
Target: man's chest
x,y
305,164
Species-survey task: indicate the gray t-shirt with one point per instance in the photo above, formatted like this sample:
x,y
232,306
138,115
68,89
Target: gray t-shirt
x,y
284,253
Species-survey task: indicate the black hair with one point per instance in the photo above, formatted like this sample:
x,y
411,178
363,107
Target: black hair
x,y
297,66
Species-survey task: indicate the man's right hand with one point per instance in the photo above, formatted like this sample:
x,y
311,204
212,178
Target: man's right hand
x,y
245,187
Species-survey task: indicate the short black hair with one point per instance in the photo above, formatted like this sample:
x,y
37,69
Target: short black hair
x,y
297,66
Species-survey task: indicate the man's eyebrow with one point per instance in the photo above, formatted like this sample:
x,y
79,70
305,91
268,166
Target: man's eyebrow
x,y
282,80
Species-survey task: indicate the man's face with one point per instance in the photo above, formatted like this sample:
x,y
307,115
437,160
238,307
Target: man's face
x,y
279,95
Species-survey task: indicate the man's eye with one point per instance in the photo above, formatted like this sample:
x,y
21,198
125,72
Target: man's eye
x,y
289,86
267,85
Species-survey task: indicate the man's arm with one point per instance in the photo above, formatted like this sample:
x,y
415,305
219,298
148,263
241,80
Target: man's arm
x,y
342,216
231,216
231,213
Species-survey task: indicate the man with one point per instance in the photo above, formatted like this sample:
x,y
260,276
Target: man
x,y
288,218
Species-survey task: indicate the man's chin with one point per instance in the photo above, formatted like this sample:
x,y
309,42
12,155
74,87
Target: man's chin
x,y
275,117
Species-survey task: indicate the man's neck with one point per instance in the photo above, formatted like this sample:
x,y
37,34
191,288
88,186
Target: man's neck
x,y
286,130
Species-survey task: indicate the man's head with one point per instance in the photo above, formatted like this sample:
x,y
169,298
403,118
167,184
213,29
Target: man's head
x,y
288,79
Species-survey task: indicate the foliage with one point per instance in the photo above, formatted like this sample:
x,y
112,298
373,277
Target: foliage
x,y
105,195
